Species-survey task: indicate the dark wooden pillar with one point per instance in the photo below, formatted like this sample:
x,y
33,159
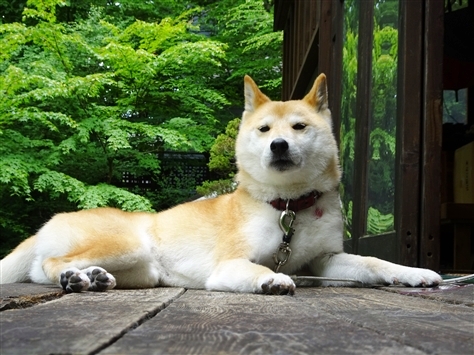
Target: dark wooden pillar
x,y
432,122
363,112
330,46
407,177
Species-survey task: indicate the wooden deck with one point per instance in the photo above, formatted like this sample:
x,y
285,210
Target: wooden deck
x,y
37,319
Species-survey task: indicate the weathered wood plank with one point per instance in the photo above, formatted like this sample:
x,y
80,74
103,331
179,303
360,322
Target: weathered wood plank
x,y
434,327
26,289
26,295
454,294
203,322
316,320
79,323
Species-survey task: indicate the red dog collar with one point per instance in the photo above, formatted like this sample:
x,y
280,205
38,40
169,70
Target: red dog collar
x,y
299,204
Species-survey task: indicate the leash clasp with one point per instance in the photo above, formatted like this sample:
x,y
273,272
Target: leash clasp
x,y
287,218
283,253
281,256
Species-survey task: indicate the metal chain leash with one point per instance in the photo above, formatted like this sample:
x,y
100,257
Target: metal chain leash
x,y
283,253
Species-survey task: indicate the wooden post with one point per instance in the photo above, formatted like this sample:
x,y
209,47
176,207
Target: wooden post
x,y
407,172
432,136
362,125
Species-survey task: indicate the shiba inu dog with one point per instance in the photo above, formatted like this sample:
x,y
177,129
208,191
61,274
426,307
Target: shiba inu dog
x,y
285,214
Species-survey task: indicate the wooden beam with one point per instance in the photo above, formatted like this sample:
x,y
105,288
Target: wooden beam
x,y
432,136
409,96
362,124
280,14
335,74
307,67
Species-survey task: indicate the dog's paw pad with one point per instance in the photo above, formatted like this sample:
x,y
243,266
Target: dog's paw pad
x,y
279,284
100,279
73,280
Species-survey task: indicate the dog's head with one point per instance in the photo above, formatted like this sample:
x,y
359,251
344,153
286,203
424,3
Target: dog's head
x,y
288,143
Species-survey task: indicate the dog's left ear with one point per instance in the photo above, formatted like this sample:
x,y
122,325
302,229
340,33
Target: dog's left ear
x,y
253,96
318,96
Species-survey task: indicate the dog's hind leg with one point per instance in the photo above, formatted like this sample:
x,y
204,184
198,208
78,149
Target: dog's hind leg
x,y
90,268
74,279
80,260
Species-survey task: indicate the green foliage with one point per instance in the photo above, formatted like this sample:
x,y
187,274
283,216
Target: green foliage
x,y
377,222
222,162
253,47
381,160
348,109
93,89
216,187
222,158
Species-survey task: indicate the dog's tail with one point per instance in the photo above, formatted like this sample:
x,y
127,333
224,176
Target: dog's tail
x,y
16,266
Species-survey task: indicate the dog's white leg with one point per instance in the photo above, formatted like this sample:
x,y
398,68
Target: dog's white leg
x,y
370,270
75,275
241,275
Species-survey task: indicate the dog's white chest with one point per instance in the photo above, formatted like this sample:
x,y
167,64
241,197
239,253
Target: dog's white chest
x,y
316,231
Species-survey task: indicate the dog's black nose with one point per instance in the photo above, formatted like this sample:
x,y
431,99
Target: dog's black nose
x,y
279,146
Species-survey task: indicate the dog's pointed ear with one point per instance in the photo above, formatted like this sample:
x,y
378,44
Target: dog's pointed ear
x,y
318,95
253,96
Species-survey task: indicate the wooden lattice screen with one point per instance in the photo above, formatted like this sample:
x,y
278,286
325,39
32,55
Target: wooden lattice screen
x,y
175,166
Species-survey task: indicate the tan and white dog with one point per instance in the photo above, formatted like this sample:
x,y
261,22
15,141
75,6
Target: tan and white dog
x,y
288,174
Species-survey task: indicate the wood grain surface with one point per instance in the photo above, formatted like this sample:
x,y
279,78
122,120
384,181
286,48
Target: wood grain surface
x,y
80,323
315,321
178,321
26,295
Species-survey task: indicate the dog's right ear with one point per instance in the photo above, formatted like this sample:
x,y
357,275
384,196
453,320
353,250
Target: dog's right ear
x,y
253,96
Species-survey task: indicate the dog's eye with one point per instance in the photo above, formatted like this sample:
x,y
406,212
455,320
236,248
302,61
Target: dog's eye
x,y
299,126
264,129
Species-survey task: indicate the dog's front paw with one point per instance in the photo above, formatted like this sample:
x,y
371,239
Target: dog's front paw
x,y
100,279
416,277
278,284
74,280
